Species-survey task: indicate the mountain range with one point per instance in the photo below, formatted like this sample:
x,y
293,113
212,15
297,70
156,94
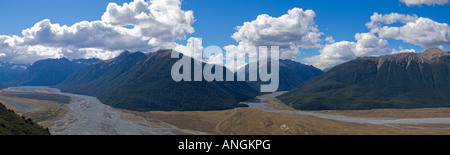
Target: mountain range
x,y
292,74
50,72
140,82
406,80
9,71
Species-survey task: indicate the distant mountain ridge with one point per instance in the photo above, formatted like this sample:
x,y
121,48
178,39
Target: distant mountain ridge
x,y
292,74
9,71
50,72
139,82
18,67
405,80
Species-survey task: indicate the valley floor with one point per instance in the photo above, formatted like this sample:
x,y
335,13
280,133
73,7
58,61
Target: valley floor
x,y
268,116
265,116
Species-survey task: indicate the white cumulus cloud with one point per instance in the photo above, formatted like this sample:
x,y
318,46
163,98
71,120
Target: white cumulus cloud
x,y
336,53
84,34
421,31
330,39
333,54
160,21
194,48
426,2
136,26
394,51
368,43
290,32
376,20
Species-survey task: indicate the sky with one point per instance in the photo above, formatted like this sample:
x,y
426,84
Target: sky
x,y
323,33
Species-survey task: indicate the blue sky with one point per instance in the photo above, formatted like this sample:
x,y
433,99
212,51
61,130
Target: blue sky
x,y
341,19
216,20
19,15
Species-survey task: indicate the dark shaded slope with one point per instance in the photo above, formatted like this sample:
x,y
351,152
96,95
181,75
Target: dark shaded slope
x,y
97,78
407,80
7,74
12,124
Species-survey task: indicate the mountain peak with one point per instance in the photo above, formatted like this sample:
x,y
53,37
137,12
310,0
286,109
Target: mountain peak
x,y
124,53
432,54
433,51
164,50
159,53
428,56
128,53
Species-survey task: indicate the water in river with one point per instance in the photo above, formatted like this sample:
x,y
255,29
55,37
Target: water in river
x,y
88,116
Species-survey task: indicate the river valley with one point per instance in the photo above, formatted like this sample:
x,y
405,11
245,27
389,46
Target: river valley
x,y
88,116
